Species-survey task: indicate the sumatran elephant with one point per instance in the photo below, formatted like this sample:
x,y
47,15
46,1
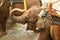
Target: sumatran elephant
x,y
33,7
29,16
5,7
4,13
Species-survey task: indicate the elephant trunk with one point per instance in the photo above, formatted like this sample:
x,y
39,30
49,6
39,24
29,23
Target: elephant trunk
x,y
17,15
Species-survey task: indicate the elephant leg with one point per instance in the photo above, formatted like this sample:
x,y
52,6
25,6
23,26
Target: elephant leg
x,y
0,29
3,26
56,32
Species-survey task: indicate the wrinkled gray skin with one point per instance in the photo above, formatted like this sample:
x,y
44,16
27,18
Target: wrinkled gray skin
x,y
29,16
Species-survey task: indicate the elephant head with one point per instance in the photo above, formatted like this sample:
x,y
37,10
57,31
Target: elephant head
x,y
29,16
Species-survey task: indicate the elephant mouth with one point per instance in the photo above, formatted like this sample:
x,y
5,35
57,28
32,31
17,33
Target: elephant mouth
x,y
39,29
35,29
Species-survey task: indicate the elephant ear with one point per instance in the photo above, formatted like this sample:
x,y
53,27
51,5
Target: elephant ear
x,y
32,14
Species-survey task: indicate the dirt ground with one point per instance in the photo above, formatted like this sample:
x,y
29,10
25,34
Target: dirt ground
x,y
17,31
